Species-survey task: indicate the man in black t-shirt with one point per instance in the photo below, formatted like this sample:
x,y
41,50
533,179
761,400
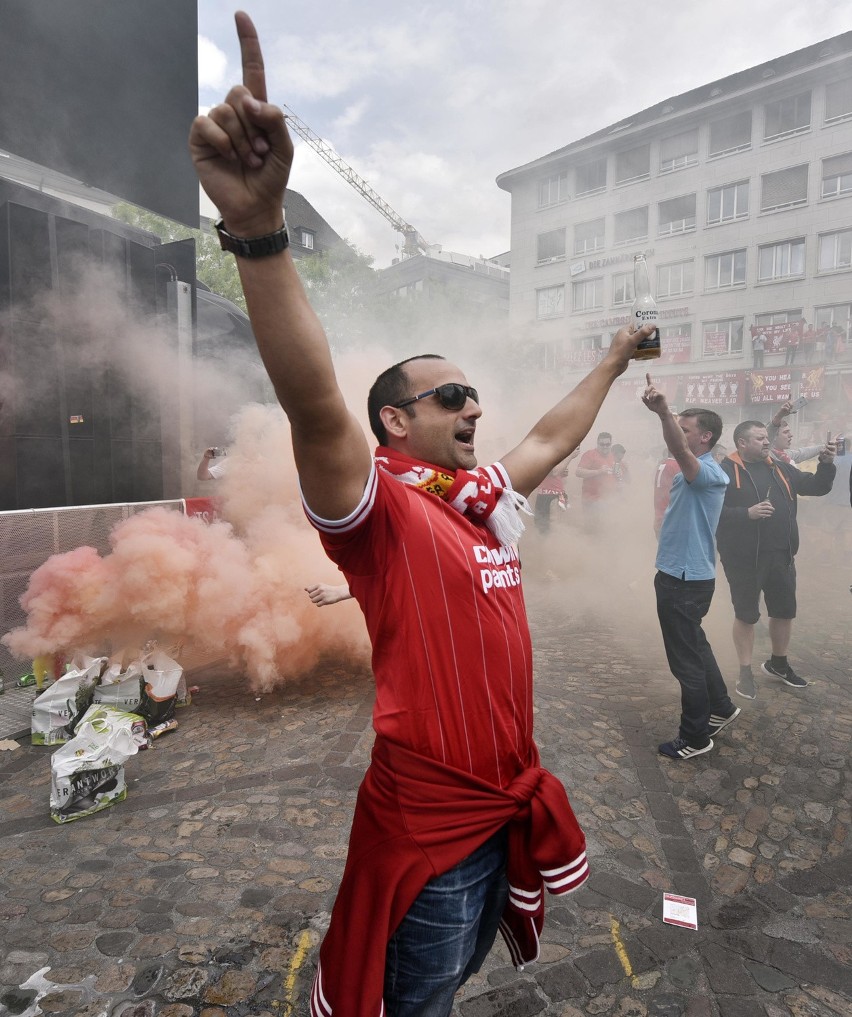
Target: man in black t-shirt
x,y
758,538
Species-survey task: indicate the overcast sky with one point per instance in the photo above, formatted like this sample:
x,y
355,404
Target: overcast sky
x,y
429,102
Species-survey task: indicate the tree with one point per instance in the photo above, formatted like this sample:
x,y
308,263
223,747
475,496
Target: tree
x,y
213,266
340,285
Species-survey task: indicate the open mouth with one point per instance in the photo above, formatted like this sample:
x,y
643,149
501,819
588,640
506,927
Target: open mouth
x,y
465,437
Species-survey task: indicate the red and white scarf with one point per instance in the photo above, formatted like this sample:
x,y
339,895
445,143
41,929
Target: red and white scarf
x,y
485,494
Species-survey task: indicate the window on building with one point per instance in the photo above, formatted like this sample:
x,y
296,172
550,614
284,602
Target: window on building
x,y
677,215
679,152
722,338
675,279
787,116
727,203
833,314
778,317
409,290
631,226
784,189
781,261
670,331
589,237
591,342
550,302
676,332
837,175
835,251
622,288
550,246
590,177
550,354
633,165
308,239
838,100
587,295
552,190
731,134
722,271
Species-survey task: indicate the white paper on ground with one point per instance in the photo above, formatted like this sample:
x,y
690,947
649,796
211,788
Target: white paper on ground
x,y
680,911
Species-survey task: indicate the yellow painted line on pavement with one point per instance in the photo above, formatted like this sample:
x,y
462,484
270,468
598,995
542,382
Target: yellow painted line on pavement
x,y
296,962
620,950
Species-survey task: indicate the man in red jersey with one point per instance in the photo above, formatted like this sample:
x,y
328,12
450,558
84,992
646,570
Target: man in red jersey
x,y
597,470
457,826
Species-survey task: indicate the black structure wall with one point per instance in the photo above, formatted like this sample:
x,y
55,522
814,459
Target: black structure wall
x,y
72,432
104,91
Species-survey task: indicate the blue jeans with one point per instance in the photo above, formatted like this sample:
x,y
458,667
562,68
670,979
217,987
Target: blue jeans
x,y
446,934
681,607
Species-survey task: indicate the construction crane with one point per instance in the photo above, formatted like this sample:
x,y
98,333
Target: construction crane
x,y
413,242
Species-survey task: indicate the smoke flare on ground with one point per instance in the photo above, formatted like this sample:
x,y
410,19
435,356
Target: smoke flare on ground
x,y
235,591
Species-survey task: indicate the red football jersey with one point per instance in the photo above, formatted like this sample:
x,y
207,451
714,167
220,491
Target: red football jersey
x,y
603,486
445,612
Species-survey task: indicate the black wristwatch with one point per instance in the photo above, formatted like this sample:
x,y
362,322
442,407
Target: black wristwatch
x,y
252,247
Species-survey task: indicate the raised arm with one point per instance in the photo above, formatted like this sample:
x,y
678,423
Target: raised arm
x,y
820,482
778,417
673,436
202,471
242,153
564,426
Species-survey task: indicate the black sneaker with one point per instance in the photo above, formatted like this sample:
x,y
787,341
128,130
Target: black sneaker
x,y
717,723
789,677
680,749
745,686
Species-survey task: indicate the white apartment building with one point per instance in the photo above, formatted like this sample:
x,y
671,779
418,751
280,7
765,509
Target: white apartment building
x,y
740,194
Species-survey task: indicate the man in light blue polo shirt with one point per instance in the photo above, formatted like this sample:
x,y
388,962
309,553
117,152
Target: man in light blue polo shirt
x,y
686,576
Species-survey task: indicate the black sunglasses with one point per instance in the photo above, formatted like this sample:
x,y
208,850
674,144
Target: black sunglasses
x,y
451,396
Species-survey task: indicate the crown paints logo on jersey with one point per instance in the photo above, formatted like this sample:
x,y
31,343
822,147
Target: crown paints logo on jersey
x,y
505,570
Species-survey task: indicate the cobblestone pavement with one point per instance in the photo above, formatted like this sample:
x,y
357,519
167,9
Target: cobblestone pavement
x,y
205,893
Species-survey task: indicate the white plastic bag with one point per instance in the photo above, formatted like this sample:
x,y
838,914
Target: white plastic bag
x,y
58,709
87,773
121,689
164,687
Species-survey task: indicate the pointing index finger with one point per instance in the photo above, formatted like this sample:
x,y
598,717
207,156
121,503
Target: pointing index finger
x,y
254,76
648,381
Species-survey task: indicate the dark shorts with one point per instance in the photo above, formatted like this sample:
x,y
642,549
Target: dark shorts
x,y
774,576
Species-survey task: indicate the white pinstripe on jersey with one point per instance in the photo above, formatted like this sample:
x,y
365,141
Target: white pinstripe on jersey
x,y
445,610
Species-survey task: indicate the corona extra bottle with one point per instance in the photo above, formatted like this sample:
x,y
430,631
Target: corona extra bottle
x,y
644,310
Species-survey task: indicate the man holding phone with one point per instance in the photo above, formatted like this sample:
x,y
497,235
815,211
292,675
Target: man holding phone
x,y
758,538
212,465
781,435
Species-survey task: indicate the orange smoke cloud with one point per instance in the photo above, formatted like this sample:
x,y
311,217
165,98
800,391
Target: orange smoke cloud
x,y
233,589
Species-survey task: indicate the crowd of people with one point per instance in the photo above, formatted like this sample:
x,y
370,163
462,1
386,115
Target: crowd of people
x,y
823,344
458,828
764,485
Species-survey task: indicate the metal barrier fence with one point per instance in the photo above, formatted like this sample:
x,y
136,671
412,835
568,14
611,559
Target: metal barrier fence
x,y
28,538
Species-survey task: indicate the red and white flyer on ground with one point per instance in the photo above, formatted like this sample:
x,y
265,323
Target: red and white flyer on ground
x,y
680,911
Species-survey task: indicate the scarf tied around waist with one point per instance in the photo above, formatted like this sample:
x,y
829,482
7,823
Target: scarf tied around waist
x,y
416,818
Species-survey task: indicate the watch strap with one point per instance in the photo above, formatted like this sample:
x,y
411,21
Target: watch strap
x,y
252,247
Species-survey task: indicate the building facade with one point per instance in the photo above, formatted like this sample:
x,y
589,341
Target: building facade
x,y
309,233
478,281
740,194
